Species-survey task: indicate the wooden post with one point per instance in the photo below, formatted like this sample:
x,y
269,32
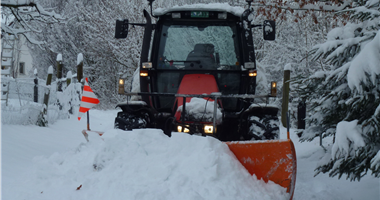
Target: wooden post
x,y
47,94
42,121
59,72
80,67
301,114
69,76
285,94
36,89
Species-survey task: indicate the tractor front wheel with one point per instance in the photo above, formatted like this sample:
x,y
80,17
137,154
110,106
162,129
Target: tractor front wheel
x,y
128,121
263,127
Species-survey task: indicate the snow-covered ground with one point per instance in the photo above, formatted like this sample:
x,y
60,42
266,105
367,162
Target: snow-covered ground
x,y
57,163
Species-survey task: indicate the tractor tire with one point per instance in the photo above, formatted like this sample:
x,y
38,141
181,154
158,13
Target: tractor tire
x,y
263,127
127,121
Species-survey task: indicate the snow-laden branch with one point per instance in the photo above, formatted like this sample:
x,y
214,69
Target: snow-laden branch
x,y
22,18
311,7
348,139
365,66
17,3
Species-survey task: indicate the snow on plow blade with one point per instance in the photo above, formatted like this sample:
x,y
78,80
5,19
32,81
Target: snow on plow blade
x,y
273,160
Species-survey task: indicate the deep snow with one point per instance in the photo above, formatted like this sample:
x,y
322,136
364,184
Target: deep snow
x,y
52,162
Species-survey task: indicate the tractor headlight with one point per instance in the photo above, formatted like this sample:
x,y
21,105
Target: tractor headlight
x,y
144,73
209,129
252,73
182,129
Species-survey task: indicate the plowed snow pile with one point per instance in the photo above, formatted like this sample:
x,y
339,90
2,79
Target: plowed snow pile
x,y
145,164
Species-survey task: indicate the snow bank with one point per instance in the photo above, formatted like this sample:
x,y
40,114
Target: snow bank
x,y
145,164
347,134
223,7
365,64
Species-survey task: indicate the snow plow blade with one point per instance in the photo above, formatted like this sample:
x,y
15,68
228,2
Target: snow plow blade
x,y
273,160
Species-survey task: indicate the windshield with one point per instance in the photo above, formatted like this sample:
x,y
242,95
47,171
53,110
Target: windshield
x,y
199,47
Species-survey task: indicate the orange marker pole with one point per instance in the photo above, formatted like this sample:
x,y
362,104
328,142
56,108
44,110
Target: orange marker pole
x,y
88,121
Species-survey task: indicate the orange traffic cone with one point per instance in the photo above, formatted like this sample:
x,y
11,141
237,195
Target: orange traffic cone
x,y
88,101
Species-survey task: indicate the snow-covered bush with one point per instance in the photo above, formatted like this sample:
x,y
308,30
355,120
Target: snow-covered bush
x,y
22,110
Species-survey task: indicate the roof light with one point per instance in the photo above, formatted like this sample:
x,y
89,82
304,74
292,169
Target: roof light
x,y
273,90
222,15
121,81
121,86
147,65
176,15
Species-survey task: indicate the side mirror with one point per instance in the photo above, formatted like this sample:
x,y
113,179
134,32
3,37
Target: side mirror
x,y
269,30
121,30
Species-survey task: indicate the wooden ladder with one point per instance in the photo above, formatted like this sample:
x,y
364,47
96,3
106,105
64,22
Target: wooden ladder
x,y
4,85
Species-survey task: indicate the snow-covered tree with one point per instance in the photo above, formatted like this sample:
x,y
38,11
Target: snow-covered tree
x,y
298,28
21,17
345,94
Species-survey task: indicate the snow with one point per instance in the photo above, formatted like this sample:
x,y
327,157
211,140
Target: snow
x,y
69,75
342,33
222,7
5,71
319,74
79,58
347,134
135,87
50,70
59,57
288,67
35,71
142,103
367,62
200,108
52,162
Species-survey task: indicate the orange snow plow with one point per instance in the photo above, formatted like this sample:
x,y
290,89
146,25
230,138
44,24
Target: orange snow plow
x,y
270,160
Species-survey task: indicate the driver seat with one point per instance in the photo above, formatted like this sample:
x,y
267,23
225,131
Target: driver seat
x,y
202,57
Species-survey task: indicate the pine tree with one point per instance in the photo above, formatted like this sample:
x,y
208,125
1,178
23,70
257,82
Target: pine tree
x,y
346,94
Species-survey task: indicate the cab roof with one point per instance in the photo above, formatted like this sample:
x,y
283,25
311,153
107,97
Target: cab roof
x,y
218,7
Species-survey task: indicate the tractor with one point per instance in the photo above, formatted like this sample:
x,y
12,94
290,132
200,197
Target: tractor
x,y
197,75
